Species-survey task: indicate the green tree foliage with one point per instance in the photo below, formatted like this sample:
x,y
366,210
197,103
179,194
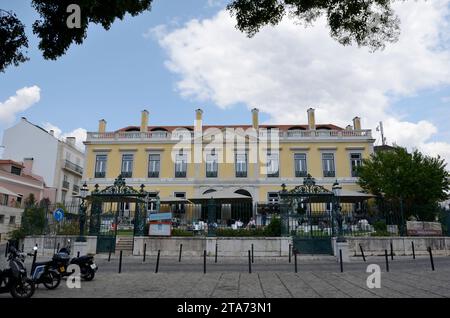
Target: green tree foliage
x,y
419,181
55,37
52,28
370,23
12,40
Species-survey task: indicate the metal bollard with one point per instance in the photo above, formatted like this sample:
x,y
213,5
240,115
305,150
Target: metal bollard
x,y
109,256
215,255
340,261
362,252
253,255
413,250
290,247
23,248
120,262
387,260
181,250
57,249
431,258
204,262
145,252
34,259
157,262
295,260
7,249
392,252
249,263
78,254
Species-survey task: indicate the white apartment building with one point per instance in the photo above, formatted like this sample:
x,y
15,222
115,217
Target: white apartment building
x,y
59,162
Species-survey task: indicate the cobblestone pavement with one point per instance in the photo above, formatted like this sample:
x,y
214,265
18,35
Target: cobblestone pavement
x,y
270,278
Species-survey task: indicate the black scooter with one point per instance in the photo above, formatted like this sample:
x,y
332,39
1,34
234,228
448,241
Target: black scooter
x,y
44,273
14,280
61,262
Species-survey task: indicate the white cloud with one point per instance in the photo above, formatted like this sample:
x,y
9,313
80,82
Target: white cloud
x,y
24,99
79,133
286,69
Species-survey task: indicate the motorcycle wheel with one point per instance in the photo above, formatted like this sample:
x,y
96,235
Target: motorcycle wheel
x,y
89,275
52,280
23,289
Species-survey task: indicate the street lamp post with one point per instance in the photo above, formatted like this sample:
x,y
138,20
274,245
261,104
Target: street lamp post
x,y
337,189
83,194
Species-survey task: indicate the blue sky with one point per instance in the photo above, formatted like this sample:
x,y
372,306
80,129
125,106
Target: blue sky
x,y
117,73
113,75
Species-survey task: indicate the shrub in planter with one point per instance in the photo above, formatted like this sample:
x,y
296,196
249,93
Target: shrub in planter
x,y
181,232
274,228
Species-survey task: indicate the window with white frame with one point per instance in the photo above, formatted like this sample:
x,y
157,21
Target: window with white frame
x,y
100,166
301,170
154,164
328,165
241,165
181,165
127,165
272,197
355,162
212,165
273,164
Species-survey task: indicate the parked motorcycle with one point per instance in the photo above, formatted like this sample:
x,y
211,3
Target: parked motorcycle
x,y
44,273
14,280
62,260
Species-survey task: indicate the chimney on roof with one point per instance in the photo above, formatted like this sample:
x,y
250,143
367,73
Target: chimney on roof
x,y
102,126
311,119
28,166
255,118
71,140
199,120
144,120
52,132
357,123
349,127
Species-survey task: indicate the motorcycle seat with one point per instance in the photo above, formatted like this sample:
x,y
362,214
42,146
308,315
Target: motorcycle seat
x,y
84,258
42,263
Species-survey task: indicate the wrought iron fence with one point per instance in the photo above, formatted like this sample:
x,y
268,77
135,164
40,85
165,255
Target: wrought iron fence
x,y
358,219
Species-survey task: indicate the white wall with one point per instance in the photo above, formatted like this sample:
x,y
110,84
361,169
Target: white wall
x,y
7,212
24,140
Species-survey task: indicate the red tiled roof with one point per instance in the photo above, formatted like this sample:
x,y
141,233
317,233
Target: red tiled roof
x,y
11,162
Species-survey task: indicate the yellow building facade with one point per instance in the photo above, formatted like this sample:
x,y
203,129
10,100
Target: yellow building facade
x,y
253,160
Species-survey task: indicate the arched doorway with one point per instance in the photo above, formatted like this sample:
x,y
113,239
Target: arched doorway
x,y
243,192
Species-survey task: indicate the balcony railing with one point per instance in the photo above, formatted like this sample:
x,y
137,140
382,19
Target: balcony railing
x,y
66,185
329,174
127,174
241,174
153,174
100,174
76,188
180,174
301,174
73,167
211,174
176,135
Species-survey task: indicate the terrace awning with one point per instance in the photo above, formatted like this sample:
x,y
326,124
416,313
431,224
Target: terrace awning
x,y
348,196
222,195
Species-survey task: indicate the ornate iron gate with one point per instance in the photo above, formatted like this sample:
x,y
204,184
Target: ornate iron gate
x,y
105,225
307,214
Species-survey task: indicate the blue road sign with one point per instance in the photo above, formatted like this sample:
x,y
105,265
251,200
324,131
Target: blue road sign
x,y
58,214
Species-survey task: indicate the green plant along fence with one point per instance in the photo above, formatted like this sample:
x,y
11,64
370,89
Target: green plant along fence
x,y
240,219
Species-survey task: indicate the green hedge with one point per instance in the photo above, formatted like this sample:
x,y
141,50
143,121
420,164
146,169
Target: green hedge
x,y
181,232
